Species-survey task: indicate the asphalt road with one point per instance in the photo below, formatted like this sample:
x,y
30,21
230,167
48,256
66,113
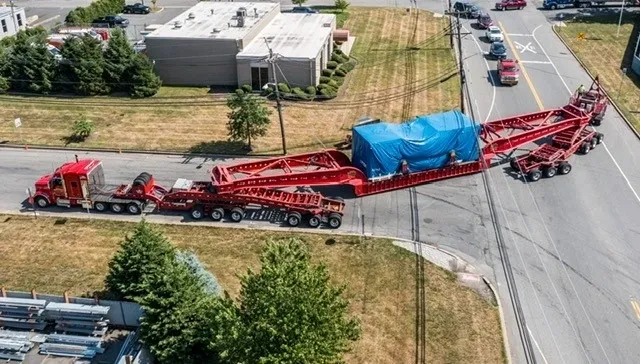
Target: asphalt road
x,y
570,239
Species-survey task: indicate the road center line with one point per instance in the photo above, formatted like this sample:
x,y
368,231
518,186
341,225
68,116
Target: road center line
x,y
535,62
523,69
493,84
636,308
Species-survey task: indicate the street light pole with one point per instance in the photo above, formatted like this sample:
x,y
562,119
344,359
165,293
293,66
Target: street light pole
x,y
620,19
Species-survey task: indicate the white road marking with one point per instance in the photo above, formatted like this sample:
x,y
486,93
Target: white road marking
x,y
535,62
537,346
570,93
493,85
519,35
45,21
525,48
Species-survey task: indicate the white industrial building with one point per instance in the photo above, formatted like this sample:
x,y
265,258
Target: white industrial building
x,y
225,43
12,20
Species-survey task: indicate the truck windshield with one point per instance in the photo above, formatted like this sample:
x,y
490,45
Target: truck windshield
x,y
509,69
495,31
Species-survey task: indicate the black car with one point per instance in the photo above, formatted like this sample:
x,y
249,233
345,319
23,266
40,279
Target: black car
x,y
111,21
304,10
498,50
467,9
136,8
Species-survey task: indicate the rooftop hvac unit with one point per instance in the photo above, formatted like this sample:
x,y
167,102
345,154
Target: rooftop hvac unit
x,y
327,25
240,21
177,24
216,30
242,11
255,12
192,16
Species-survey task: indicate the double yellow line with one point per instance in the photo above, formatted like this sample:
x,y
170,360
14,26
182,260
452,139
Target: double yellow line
x,y
522,68
636,308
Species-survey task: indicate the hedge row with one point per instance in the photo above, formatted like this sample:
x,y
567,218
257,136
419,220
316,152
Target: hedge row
x,y
96,9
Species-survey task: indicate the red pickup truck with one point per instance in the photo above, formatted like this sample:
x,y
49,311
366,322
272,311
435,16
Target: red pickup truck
x,y
511,4
508,71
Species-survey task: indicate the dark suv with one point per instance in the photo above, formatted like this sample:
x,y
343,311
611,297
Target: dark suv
x,y
467,9
112,21
136,8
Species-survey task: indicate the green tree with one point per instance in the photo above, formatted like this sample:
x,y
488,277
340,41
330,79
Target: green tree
x,y
81,129
32,67
299,2
5,71
341,5
144,82
181,321
248,119
289,312
117,60
144,254
84,65
209,281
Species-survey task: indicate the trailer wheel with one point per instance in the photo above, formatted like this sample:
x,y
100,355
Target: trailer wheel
x,y
197,212
593,142
585,148
133,208
564,168
236,214
534,175
596,121
100,206
217,214
41,201
294,218
314,221
550,172
513,164
553,7
335,220
117,208
599,137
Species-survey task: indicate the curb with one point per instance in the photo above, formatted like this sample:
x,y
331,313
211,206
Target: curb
x,y
137,151
503,326
584,67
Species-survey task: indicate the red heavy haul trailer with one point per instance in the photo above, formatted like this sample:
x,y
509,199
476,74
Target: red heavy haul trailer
x,y
233,188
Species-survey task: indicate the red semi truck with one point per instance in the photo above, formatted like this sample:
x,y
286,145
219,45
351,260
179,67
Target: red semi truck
x,y
233,188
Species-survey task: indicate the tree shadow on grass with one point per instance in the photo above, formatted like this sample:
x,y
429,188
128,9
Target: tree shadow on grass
x,y
220,147
72,139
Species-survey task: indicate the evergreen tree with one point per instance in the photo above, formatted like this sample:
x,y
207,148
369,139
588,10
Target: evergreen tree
x,y
32,67
248,118
290,312
209,281
143,255
85,65
5,71
181,321
118,58
144,83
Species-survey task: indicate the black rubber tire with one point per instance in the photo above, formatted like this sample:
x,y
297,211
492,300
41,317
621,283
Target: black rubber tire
x,y
142,179
335,220
197,212
133,208
549,172
294,218
236,214
100,206
217,214
314,221
564,168
596,122
600,138
116,208
513,164
585,148
554,7
41,202
534,175
593,142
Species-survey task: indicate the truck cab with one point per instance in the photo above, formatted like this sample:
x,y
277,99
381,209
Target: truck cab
x,y
508,71
69,184
557,4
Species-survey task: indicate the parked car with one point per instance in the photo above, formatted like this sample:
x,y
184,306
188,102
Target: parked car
x,y
511,4
494,34
136,8
112,21
304,10
484,21
468,10
498,50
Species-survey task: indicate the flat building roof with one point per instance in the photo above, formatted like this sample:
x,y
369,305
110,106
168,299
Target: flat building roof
x,y
6,10
215,20
291,36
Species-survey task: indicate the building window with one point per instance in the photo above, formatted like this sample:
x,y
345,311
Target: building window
x,y
4,26
19,19
259,77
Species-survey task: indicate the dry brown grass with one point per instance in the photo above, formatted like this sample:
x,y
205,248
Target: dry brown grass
x,y
600,33
189,119
52,256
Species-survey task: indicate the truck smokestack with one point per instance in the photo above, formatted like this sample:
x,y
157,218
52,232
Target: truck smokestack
x,y
76,158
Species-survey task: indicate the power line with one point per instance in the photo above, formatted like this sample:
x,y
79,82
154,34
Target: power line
x,y
272,60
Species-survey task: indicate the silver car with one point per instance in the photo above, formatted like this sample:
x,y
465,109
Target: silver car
x,y
494,34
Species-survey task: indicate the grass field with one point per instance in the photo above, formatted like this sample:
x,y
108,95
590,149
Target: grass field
x,y
393,81
600,40
52,256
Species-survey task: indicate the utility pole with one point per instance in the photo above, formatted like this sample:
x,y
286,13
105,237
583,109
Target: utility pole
x,y
13,17
272,61
459,35
450,27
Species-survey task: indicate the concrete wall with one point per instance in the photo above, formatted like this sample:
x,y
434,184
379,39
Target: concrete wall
x,y
194,62
120,314
12,28
300,73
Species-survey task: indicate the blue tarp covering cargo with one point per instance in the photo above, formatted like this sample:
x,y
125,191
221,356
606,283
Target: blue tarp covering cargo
x,y
424,143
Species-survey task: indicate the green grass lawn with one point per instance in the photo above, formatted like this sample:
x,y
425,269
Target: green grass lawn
x,y
605,53
55,255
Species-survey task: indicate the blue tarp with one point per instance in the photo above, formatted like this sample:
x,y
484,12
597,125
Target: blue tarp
x,y
424,142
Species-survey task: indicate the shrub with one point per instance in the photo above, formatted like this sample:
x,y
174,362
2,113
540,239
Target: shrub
x,y
333,83
338,51
96,9
324,79
348,66
268,91
299,94
327,73
336,58
239,91
284,88
310,90
332,65
328,93
339,72
247,88
81,129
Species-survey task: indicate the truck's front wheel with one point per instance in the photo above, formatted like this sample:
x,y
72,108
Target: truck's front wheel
x,y
41,202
